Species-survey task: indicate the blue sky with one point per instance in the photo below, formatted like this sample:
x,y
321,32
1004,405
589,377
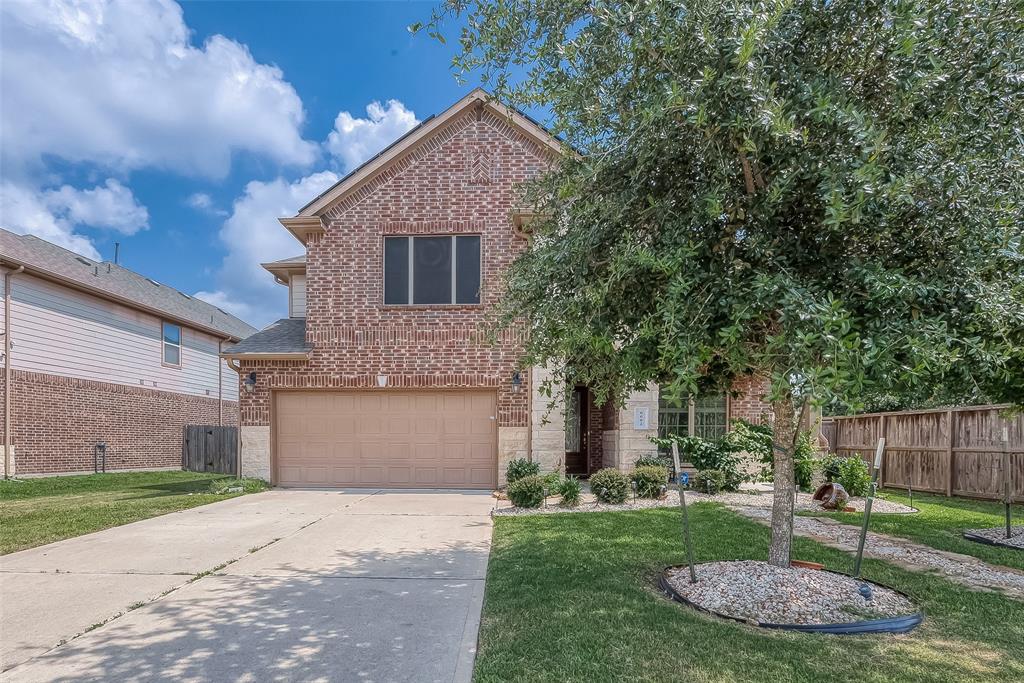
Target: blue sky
x,y
183,130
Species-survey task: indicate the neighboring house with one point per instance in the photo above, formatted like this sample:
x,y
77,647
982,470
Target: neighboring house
x,y
379,376
102,354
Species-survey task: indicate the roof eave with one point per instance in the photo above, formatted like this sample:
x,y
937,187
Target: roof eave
x,y
303,227
296,355
131,303
283,271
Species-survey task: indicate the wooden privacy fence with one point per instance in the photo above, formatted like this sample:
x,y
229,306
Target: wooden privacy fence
x,y
955,452
209,448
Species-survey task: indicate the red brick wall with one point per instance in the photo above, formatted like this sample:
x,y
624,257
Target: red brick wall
x,y
749,405
461,181
595,444
58,420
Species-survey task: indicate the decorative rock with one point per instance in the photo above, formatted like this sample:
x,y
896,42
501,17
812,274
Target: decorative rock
x,y
997,536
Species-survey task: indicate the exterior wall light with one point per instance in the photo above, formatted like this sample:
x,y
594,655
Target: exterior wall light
x,y
250,382
517,381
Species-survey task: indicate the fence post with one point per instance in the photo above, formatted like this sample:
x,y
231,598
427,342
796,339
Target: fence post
x,y
882,434
951,428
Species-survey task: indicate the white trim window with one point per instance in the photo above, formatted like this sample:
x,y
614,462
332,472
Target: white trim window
x,y
171,342
431,269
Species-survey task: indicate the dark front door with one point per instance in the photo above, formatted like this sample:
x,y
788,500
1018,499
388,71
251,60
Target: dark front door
x,y
576,420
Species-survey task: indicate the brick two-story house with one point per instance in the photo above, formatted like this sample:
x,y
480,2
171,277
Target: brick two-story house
x,y
379,376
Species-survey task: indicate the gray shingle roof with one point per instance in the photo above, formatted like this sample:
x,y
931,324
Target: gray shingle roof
x,y
287,335
104,277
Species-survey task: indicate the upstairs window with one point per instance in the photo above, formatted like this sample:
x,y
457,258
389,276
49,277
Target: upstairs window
x,y
172,344
432,270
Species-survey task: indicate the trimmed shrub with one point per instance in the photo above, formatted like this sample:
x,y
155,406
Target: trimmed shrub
x,y
519,468
649,480
570,489
854,475
610,486
709,481
654,461
527,492
552,482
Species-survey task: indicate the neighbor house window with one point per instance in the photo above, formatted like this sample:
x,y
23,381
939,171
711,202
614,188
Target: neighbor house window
x,y
705,417
172,344
432,270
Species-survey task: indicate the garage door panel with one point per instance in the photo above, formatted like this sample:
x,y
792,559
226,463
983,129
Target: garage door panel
x,y
386,438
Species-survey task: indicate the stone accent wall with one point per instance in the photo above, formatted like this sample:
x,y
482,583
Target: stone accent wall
x,y
623,444
547,424
255,451
513,442
58,420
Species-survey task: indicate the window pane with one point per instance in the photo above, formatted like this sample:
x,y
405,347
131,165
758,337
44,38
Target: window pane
x,y
709,419
172,354
673,418
467,269
432,270
172,333
396,270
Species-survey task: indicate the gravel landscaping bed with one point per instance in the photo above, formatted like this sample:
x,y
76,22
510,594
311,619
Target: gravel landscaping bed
x,y
967,570
761,593
758,500
997,536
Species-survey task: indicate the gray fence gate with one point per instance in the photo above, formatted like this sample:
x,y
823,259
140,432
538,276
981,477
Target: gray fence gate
x,y
209,448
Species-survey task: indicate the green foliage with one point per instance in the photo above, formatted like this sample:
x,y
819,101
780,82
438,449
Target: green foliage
x,y
552,482
610,485
830,467
755,439
570,489
709,481
519,468
828,195
527,492
654,460
649,480
854,475
713,455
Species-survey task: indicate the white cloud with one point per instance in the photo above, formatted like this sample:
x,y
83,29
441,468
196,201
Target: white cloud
x,y
200,201
253,236
54,215
119,85
111,206
355,140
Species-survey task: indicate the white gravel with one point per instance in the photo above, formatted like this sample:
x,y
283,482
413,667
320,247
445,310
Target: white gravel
x,y
964,569
759,592
998,536
588,503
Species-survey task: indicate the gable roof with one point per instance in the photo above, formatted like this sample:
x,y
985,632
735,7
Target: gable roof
x,y
111,281
286,267
398,149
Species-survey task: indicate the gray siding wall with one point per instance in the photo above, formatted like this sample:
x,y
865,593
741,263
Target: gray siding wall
x,y
297,296
61,331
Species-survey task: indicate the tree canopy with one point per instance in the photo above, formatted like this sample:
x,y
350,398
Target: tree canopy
x,y
825,193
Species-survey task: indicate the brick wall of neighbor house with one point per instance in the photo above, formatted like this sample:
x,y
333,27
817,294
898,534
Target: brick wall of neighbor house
x,y
462,180
58,420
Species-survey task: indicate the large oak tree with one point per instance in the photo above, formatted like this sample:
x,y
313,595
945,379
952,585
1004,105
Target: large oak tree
x,y
823,193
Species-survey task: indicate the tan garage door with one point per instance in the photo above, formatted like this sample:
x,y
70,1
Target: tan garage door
x,y
413,439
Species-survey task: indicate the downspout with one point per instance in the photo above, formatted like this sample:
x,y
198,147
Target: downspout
x,y
235,365
8,439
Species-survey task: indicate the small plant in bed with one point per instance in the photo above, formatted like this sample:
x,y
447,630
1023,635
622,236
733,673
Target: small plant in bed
x,y
650,480
527,492
570,489
519,468
610,486
854,475
709,481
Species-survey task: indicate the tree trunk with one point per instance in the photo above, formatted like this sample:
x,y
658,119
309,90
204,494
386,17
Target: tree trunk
x,y
785,483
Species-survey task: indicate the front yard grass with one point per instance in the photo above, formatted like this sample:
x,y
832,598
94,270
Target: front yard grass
x,y
573,598
38,511
941,523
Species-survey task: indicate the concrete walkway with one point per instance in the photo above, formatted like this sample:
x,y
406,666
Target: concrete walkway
x,y
287,585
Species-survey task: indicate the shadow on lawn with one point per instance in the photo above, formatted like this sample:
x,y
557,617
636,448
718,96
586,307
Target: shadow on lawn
x,y
348,620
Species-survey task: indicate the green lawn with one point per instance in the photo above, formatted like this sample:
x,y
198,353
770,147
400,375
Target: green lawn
x,y
38,511
573,598
941,523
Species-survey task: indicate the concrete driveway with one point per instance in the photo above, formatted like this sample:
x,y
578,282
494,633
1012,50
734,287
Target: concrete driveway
x,y
288,585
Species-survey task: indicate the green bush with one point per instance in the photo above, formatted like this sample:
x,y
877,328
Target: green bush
x,y
527,492
610,486
804,461
709,481
649,480
570,489
552,482
713,455
519,468
830,465
654,461
854,475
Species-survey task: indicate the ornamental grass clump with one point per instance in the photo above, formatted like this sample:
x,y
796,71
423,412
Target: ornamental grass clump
x,y
570,489
650,481
610,486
